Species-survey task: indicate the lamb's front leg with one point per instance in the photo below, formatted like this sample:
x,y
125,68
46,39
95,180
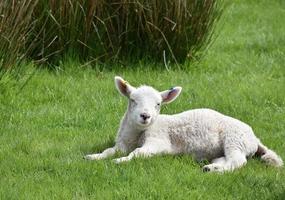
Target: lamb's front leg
x,y
98,156
144,151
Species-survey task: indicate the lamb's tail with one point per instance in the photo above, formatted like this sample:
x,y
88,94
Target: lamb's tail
x,y
269,156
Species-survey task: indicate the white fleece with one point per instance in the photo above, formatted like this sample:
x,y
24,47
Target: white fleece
x,y
202,133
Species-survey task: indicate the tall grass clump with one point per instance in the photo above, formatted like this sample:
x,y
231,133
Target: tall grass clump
x,y
102,30
158,29
61,27
15,29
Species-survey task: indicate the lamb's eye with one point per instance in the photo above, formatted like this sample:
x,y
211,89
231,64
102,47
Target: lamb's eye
x,y
158,104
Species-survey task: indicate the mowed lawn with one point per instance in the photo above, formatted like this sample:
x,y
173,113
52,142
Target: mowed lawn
x,y
59,116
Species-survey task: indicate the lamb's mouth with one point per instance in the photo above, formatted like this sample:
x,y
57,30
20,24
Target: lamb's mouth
x,y
145,122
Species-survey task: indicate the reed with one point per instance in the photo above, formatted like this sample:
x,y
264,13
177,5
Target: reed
x,y
16,26
105,29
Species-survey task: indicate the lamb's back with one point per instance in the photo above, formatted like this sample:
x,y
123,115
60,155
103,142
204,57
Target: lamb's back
x,y
199,131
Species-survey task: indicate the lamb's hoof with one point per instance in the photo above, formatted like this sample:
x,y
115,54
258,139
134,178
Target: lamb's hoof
x,y
92,157
117,161
87,157
120,160
213,168
206,169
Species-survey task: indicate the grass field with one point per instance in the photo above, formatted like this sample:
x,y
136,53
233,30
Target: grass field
x,y
61,115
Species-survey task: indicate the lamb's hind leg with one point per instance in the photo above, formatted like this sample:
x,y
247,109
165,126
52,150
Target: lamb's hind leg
x,y
233,159
215,165
237,145
221,160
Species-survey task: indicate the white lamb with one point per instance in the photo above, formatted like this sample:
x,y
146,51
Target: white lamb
x,y
202,133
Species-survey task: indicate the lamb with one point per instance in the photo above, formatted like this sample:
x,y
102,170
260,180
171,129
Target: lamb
x,y
202,133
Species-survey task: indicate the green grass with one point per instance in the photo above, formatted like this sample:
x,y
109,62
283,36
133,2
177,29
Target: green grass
x,y
47,127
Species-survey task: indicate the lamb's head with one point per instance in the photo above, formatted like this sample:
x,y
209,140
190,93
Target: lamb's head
x,y
144,101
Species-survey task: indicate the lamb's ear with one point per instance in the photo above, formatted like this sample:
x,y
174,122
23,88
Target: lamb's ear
x,y
170,95
123,86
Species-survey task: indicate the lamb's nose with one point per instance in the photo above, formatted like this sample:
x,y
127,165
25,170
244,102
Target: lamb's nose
x,y
145,116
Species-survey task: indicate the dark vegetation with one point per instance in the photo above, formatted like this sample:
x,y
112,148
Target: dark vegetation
x,y
47,30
